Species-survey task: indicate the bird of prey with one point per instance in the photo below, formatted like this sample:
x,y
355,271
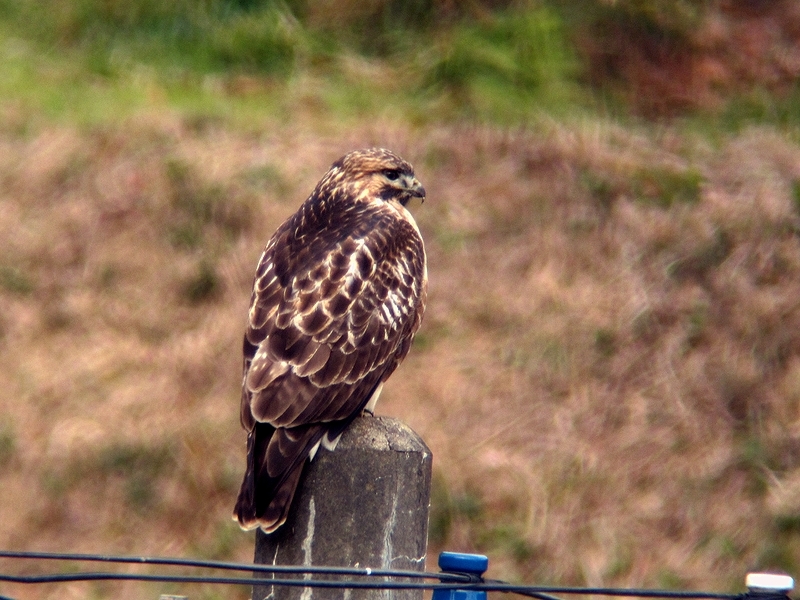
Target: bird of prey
x,y
339,293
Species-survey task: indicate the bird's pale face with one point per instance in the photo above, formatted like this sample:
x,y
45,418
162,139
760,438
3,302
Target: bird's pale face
x,y
380,174
395,184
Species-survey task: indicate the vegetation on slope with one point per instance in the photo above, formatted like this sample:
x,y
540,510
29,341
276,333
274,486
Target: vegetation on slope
x,y
499,61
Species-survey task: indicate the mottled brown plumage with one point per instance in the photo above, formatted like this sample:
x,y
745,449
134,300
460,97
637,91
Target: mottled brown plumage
x,y
338,296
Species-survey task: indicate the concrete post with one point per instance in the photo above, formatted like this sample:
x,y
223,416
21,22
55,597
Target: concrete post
x,y
363,505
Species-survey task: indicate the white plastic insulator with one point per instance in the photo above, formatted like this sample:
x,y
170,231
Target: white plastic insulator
x,y
769,582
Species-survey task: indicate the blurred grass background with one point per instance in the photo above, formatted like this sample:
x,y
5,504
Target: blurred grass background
x,y
609,371
426,60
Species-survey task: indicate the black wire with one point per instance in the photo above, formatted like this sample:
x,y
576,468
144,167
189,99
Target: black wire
x,y
105,576
260,581
260,568
539,596
447,581
537,591
488,586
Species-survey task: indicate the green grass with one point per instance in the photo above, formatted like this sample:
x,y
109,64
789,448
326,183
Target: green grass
x,y
664,187
248,61
8,443
203,284
13,280
506,68
90,62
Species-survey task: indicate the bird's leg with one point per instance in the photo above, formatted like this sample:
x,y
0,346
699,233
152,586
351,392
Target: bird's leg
x,y
373,399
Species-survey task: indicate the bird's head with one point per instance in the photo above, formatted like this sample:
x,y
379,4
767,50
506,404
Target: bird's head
x,y
376,173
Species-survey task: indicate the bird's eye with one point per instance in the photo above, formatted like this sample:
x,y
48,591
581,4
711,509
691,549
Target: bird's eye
x,y
391,174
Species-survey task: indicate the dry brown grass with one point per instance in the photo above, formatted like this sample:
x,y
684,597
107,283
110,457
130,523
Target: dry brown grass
x,y
608,373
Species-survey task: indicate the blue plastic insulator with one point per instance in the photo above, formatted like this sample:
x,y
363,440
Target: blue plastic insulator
x,y
457,562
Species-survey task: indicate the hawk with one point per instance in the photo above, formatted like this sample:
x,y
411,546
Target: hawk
x,y
339,293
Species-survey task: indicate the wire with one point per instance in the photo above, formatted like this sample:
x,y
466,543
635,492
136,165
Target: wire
x,y
232,566
538,591
444,581
105,576
539,595
488,586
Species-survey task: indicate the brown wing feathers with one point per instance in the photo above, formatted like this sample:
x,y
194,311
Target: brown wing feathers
x,y
338,295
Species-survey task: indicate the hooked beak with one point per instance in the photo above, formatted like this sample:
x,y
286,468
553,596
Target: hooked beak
x,y
414,187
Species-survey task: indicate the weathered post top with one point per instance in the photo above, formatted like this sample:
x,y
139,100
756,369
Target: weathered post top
x,y
364,505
